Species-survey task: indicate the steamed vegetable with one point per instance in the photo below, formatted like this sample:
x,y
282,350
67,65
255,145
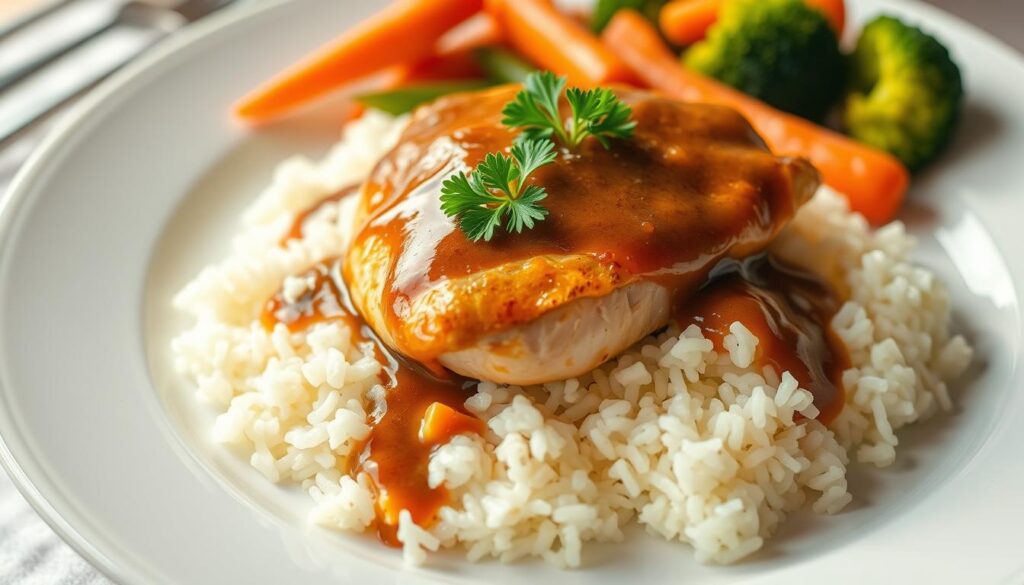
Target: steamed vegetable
x,y
685,22
502,66
479,30
873,181
404,32
445,73
834,11
554,41
604,10
442,422
779,51
406,97
906,92
456,66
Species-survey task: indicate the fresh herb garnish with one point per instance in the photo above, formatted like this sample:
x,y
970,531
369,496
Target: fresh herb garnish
x,y
497,188
594,112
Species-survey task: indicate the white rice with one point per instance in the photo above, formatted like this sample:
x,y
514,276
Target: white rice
x,y
696,445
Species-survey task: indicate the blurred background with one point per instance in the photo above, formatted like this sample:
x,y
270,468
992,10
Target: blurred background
x,y
51,53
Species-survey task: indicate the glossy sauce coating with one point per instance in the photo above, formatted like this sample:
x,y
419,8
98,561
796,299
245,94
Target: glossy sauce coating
x,y
787,309
789,312
393,456
693,189
694,185
295,231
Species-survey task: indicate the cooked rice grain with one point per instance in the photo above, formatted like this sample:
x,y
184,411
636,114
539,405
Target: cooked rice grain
x,y
696,445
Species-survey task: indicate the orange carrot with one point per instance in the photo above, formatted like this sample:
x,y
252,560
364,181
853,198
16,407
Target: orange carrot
x,y
873,181
555,41
442,422
480,30
403,32
459,65
354,112
452,57
685,22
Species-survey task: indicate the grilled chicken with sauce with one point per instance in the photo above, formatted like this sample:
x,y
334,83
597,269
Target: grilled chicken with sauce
x,y
632,231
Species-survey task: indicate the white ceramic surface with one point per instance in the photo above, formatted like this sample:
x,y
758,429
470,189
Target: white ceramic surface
x,y
142,187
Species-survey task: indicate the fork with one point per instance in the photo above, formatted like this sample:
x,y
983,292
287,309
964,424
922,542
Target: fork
x,y
67,46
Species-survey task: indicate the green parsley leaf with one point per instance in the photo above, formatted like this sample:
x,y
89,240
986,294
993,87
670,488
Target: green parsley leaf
x,y
594,112
535,109
599,113
495,192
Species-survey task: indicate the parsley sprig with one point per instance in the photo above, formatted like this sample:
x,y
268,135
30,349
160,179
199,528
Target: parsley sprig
x,y
496,193
593,112
497,188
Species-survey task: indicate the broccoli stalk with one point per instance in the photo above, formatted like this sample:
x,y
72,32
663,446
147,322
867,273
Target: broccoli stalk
x,y
905,92
781,51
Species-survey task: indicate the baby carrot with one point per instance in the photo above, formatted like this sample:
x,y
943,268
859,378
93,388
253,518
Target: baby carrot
x,y
479,30
454,54
442,422
459,65
405,31
873,181
552,40
685,22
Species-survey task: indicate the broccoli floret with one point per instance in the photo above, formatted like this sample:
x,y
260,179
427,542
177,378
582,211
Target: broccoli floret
x,y
780,51
906,92
604,10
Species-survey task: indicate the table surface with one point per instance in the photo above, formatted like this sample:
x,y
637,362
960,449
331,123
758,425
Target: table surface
x,y
31,554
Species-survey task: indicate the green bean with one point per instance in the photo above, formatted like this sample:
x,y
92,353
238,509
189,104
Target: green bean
x,y
501,65
406,98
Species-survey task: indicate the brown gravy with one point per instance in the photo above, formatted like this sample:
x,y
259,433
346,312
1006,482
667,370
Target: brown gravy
x,y
296,230
394,456
693,189
694,185
789,311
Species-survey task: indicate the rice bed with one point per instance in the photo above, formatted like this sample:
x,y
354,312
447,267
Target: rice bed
x,y
695,445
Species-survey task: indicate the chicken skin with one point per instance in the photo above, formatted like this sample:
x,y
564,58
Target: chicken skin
x,y
633,230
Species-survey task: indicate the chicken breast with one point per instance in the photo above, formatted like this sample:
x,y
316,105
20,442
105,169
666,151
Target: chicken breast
x,y
632,231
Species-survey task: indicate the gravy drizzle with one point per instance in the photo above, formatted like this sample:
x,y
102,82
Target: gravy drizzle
x,y
709,192
395,455
297,228
789,311
695,185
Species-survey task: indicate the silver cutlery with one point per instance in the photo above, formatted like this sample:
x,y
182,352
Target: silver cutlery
x,y
52,55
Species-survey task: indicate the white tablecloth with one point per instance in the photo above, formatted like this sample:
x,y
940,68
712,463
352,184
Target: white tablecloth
x,y
30,553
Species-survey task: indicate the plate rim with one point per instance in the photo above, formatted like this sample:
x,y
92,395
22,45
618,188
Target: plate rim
x,y
81,114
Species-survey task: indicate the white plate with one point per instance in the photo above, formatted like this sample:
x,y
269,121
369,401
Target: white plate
x,y
143,186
